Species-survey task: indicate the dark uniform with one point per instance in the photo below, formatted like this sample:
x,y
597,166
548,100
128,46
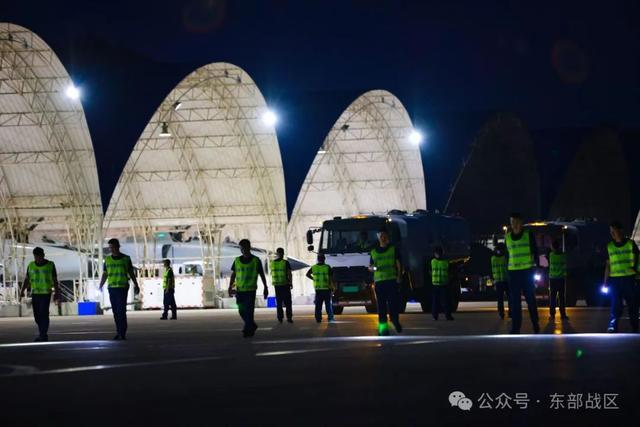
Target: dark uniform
x,y
321,276
117,268
500,276
387,290
169,288
41,279
247,271
557,282
440,289
280,270
522,258
622,272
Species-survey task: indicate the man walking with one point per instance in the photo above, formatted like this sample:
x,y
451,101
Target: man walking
x,y
619,273
117,272
387,276
41,278
245,271
282,281
169,288
523,256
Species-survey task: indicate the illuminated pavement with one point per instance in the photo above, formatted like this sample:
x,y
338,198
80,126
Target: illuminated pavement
x,y
199,368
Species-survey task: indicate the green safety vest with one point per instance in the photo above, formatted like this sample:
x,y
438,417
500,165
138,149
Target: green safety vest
x,y
165,278
557,265
246,274
385,264
520,256
40,277
439,272
363,246
621,260
499,268
117,271
278,272
320,274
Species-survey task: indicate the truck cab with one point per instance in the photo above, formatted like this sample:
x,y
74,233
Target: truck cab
x,y
348,242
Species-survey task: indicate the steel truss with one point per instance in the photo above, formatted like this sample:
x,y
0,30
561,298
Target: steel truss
x,y
373,129
220,107
31,81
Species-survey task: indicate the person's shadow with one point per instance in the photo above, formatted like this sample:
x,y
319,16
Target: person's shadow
x,y
558,327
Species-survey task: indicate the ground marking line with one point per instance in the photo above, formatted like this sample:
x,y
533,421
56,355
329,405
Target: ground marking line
x,y
112,366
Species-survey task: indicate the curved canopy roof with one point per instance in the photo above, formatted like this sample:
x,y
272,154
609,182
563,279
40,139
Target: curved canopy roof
x,y
48,176
205,161
500,176
365,165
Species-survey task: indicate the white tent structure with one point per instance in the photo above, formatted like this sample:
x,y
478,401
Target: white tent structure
x,y
207,166
48,176
636,230
367,164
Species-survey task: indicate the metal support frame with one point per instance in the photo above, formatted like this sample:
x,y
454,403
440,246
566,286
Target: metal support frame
x,y
220,93
80,216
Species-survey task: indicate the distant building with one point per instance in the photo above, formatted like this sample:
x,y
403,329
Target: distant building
x,y
597,182
499,176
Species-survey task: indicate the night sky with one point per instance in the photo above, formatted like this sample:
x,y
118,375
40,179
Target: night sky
x,y
452,64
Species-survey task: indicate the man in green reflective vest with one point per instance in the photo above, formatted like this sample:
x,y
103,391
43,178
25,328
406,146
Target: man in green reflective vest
x,y
557,280
169,288
387,276
322,277
117,271
440,297
41,278
245,271
282,281
523,256
363,244
499,274
619,276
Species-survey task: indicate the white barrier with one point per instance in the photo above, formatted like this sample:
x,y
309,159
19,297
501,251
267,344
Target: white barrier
x,y
191,292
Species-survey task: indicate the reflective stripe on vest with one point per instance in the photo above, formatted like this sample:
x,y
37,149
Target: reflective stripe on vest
x,y
520,256
499,268
246,274
385,264
165,278
621,260
278,272
40,277
320,274
117,271
557,265
439,272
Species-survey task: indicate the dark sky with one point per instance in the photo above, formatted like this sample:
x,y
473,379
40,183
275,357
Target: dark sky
x,y
556,64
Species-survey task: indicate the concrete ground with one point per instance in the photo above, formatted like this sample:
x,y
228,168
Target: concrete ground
x,y
199,370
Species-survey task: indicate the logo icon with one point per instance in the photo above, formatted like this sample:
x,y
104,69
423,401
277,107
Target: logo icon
x,y
457,398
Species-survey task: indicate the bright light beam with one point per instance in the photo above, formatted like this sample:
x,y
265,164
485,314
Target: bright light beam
x,y
72,92
269,118
416,137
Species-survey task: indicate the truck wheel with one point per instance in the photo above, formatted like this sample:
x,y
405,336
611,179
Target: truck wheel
x,y
371,308
338,309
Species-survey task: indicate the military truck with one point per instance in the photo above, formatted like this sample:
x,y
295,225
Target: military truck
x,y
585,242
347,243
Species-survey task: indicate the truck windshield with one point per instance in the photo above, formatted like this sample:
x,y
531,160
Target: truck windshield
x,y
546,235
348,241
